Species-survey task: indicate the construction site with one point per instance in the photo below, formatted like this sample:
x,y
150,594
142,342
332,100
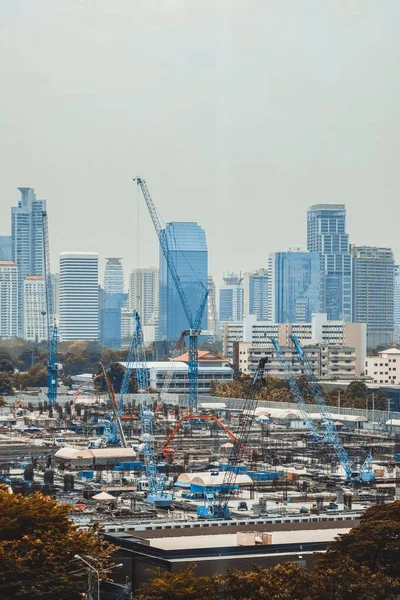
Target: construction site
x,y
176,478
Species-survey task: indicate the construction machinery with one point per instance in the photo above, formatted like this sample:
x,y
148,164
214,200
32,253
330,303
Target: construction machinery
x,y
116,430
168,378
52,331
301,403
157,494
217,507
167,451
194,321
331,436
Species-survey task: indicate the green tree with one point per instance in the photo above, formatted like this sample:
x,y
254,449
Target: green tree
x,y
6,385
375,542
37,547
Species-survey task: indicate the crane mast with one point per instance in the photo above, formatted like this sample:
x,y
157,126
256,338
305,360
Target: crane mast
x,y
219,509
194,322
157,494
52,331
331,435
305,412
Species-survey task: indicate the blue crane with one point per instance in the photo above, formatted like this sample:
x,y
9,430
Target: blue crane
x,y
304,409
156,481
218,508
331,435
52,331
194,322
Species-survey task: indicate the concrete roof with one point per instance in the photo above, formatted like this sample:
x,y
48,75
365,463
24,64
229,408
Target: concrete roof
x,y
76,454
395,422
388,351
206,479
230,539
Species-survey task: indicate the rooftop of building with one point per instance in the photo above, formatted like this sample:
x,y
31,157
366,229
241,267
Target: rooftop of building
x,y
327,207
231,539
390,351
34,278
78,253
204,357
7,263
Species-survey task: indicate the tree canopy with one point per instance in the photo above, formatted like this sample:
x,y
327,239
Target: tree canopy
x,y
37,547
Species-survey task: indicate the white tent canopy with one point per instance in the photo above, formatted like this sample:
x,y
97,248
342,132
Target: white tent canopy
x,y
102,496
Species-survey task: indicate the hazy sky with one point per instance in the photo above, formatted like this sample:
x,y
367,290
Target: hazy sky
x,y
239,114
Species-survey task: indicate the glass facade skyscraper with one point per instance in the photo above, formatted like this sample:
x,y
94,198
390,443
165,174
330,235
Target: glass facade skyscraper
x,y
188,250
27,241
397,303
231,299
326,234
295,286
256,295
373,292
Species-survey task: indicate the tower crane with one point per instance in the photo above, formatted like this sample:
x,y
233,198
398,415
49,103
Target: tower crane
x,y
156,481
301,403
366,473
52,331
218,508
170,373
194,321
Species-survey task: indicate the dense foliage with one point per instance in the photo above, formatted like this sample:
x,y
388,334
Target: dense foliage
x,y
37,548
361,565
277,390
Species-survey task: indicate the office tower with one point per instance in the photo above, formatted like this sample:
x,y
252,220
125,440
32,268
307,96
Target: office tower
x,y
231,299
27,241
188,250
256,295
110,310
326,234
35,320
5,247
8,299
295,286
79,296
113,276
143,294
397,303
373,292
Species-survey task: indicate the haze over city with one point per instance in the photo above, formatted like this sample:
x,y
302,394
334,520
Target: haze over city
x,y
239,115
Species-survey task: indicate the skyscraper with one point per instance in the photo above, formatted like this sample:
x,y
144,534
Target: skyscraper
x,y
35,321
256,294
5,247
373,292
8,299
143,294
188,249
79,296
212,312
295,286
231,299
326,234
27,241
113,276
397,303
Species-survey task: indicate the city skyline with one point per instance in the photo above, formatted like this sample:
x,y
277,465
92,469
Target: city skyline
x,y
224,147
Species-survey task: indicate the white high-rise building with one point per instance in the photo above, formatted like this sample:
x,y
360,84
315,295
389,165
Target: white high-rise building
x,y
113,276
79,296
35,320
8,299
143,294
